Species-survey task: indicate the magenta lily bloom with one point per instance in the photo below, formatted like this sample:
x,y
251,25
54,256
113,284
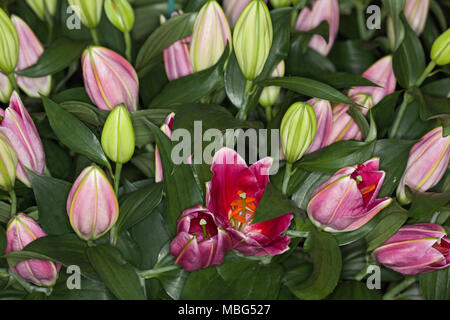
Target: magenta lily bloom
x,y
200,242
167,129
21,231
419,248
428,161
18,126
324,116
322,10
109,79
233,195
92,205
348,200
30,50
176,57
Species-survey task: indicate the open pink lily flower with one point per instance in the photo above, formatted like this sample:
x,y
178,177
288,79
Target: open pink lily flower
x,y
20,129
233,196
414,249
21,231
380,73
324,116
109,79
200,242
322,10
427,163
176,57
30,50
348,200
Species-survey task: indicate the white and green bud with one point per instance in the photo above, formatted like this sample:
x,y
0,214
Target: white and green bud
x,y
120,13
38,6
252,38
8,164
89,11
298,130
9,44
440,52
270,94
118,140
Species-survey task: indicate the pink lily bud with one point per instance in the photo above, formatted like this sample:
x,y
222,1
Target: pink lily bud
x,y
18,126
210,36
109,79
5,88
167,129
348,200
234,8
382,74
30,50
200,241
21,231
92,204
233,195
324,116
416,12
419,248
322,10
176,57
343,126
427,164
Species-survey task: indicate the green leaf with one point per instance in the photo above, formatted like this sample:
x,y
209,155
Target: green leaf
x,y
2,240
273,205
180,187
135,206
118,276
384,113
65,249
393,218
337,156
394,9
236,279
393,154
142,133
174,29
343,80
73,133
327,261
193,87
425,204
5,212
409,59
51,198
61,53
436,285
354,290
303,184
353,56
310,88
360,120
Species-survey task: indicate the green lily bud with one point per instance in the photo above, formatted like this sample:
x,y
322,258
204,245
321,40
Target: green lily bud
x,y
298,130
120,14
280,3
9,44
270,94
252,38
8,164
38,6
440,52
118,140
89,11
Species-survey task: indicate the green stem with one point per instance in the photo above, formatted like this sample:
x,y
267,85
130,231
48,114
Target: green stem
x,y
361,20
49,19
287,177
12,194
94,35
361,274
297,234
153,273
268,114
117,178
242,114
425,74
400,114
391,294
13,81
128,47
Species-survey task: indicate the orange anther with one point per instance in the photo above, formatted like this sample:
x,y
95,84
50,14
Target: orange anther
x,y
368,189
